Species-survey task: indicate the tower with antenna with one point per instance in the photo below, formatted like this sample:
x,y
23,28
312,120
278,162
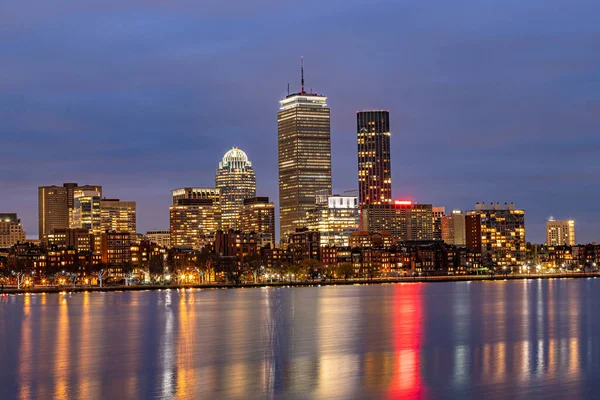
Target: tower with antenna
x,y
304,148
302,75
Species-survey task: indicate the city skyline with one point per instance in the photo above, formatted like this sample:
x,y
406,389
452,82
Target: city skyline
x,y
472,121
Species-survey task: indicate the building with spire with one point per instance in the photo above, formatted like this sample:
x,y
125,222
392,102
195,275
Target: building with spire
x,y
236,181
304,156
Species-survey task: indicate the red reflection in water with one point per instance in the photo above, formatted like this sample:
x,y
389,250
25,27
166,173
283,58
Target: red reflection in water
x,y
407,322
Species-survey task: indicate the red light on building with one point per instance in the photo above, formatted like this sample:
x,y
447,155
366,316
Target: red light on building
x,y
403,202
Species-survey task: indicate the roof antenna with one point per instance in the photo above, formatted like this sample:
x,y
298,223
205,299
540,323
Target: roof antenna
x,y
302,73
288,88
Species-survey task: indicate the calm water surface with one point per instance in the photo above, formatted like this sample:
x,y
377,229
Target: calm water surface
x,y
518,340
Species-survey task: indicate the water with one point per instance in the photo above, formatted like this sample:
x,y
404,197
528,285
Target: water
x,y
518,340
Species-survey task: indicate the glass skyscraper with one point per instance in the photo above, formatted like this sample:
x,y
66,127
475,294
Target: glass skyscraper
x,y
374,164
304,139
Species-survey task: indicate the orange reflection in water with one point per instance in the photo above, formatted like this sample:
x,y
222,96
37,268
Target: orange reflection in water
x,y
408,319
61,354
185,344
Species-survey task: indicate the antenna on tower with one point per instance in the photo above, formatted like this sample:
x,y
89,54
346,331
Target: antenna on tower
x,y
288,88
302,73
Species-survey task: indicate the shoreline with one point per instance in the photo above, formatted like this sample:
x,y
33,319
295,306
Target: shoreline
x,y
482,278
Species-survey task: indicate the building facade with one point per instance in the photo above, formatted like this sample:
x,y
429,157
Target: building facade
x,y
453,229
161,238
79,239
438,214
380,218
55,206
117,215
374,161
236,180
335,218
11,230
86,211
116,253
560,232
304,156
194,216
258,215
502,234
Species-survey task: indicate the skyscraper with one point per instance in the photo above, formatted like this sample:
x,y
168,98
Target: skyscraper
x,y
304,150
560,233
237,181
374,164
55,206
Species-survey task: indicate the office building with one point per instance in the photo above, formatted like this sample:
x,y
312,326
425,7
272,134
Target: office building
x,y
304,156
560,232
117,215
335,218
86,211
79,239
258,215
11,230
161,238
236,180
374,163
502,234
55,206
420,225
194,215
453,229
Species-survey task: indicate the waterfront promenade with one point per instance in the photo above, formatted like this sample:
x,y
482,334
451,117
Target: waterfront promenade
x,y
12,289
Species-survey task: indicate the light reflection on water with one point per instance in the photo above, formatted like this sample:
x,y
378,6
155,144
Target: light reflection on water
x,y
522,339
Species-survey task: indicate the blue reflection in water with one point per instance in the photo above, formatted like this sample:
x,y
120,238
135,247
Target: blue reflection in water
x,y
521,339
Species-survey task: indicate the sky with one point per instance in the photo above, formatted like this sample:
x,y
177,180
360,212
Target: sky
x,y
489,101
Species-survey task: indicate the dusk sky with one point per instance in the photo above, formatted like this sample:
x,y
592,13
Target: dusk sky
x,y
489,100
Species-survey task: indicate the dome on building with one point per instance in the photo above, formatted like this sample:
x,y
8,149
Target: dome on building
x,y
235,158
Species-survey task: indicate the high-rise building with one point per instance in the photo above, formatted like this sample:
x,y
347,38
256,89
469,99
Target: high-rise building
x,y
117,215
194,215
236,179
380,218
55,206
473,231
258,215
86,211
335,218
560,232
502,234
421,222
11,230
304,151
453,229
438,213
161,238
374,162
